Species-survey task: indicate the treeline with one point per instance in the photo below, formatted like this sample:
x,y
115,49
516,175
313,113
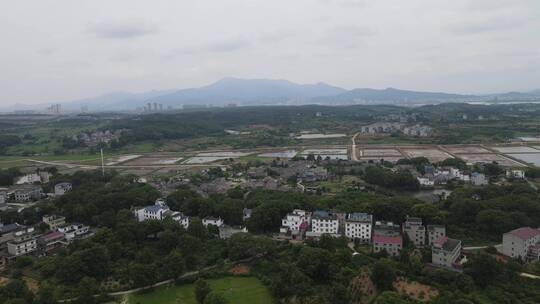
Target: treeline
x,y
7,141
8,176
401,179
486,213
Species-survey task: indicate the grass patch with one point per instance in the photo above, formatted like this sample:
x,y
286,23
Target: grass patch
x,y
238,290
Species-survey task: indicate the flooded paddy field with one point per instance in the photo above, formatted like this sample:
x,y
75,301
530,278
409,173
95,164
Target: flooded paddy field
x,y
466,149
280,154
489,158
530,158
516,149
432,154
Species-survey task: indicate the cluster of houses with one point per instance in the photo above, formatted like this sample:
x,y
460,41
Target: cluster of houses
x,y
383,236
267,177
40,177
438,176
416,130
441,175
160,211
18,240
23,193
94,138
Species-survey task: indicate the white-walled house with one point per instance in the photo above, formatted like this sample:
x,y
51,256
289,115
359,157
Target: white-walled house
x,y
522,243
519,174
74,231
210,220
445,252
324,222
154,212
425,181
62,188
159,211
358,226
479,179
294,220
23,242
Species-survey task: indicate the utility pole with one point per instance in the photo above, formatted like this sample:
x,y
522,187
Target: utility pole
x,y
102,164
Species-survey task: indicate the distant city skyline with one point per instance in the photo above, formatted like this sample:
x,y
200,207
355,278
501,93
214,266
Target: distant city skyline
x,y
57,51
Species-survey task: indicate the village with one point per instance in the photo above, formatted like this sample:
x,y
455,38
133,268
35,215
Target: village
x,y
310,175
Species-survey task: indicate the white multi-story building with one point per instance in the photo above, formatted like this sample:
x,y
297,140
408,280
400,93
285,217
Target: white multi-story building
x,y
358,226
54,221
159,211
216,221
415,231
294,220
445,252
62,188
459,175
3,199
23,242
324,222
154,212
425,181
434,232
519,174
73,231
479,179
27,193
521,243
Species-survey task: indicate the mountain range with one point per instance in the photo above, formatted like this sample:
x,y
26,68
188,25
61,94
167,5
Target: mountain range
x,y
272,92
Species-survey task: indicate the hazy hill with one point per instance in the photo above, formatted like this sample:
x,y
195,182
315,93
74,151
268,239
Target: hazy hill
x,y
251,91
390,95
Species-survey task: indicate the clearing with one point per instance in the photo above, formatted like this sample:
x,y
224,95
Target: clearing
x,y
238,290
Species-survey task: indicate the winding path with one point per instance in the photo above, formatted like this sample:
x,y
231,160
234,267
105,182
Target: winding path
x,y
353,148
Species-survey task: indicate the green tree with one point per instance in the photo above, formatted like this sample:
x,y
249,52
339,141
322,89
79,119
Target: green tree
x,y
383,275
483,268
202,289
215,298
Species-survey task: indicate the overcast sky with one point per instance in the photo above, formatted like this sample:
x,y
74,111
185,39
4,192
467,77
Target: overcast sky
x,y
58,50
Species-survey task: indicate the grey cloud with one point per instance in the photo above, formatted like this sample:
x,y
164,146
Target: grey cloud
x,y
347,3
490,25
352,31
122,30
223,46
46,51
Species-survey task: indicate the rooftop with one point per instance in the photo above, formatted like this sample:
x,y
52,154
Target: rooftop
x,y
433,227
10,228
525,233
51,236
387,239
321,214
359,217
155,208
447,244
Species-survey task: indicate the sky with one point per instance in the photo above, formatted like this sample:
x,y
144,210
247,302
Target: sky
x,y
60,50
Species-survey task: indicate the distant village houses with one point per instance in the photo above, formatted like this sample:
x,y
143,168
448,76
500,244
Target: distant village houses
x,y
62,188
392,127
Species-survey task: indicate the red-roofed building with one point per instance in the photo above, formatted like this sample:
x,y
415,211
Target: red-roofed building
x,y
391,244
445,252
47,243
520,243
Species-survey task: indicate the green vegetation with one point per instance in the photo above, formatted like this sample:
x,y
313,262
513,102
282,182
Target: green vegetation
x,y
133,254
41,134
237,290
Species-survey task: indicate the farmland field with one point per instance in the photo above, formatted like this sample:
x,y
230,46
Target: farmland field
x,y
238,290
